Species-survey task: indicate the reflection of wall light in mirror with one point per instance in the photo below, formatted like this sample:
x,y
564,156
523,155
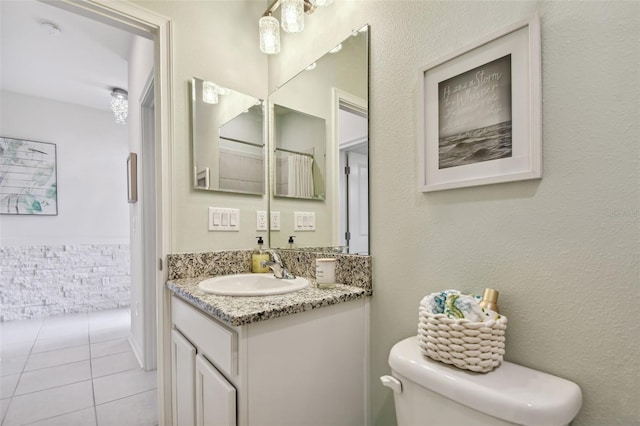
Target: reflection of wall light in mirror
x,y
292,15
311,67
336,49
209,93
321,3
269,35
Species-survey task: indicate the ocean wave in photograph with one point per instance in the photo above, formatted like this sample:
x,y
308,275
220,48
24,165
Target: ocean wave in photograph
x,y
474,146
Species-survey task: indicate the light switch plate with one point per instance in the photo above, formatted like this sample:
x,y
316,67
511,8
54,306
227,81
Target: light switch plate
x,y
304,221
224,219
275,221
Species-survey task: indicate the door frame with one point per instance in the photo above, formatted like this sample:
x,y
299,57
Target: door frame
x,y
341,97
140,21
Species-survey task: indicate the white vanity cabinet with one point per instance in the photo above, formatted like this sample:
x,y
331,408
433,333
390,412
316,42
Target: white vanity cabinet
x,y
305,369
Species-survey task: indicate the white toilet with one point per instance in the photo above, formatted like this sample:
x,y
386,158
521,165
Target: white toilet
x,y
427,392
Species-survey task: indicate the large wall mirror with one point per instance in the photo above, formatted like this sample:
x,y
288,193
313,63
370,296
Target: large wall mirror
x,y
228,140
318,146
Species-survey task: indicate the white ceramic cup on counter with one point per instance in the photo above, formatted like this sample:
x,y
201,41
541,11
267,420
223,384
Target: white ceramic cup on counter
x,y
325,272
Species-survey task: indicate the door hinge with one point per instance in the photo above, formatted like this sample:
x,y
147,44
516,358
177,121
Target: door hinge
x,y
347,170
347,236
160,264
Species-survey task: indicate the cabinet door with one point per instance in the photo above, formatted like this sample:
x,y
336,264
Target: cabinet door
x,y
183,357
215,396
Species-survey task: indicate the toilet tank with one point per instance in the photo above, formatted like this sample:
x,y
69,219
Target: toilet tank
x,y
432,393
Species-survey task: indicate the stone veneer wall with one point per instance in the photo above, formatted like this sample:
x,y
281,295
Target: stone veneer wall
x,y
351,269
41,281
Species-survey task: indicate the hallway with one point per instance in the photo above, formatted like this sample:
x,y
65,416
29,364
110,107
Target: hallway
x,y
76,369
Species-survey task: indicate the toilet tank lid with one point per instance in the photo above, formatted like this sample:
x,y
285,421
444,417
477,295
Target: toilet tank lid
x,y
511,392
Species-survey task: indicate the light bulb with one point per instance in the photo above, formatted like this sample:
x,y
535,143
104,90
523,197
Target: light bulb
x,y
292,15
321,3
209,92
269,35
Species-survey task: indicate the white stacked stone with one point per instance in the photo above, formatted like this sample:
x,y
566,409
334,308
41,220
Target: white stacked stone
x,y
41,281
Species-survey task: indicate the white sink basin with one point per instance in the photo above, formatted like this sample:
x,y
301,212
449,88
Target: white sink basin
x,y
251,285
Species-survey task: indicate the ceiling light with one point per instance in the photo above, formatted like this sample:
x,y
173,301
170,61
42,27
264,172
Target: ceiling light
x,y
269,35
51,28
292,16
209,92
120,105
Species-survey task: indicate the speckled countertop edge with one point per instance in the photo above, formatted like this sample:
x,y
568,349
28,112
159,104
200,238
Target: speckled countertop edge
x,y
237,311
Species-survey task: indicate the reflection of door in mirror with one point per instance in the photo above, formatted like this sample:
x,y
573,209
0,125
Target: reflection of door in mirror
x,y
228,140
353,138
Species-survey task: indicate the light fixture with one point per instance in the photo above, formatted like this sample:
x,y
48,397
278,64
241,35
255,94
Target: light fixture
x,y
269,35
336,49
321,3
209,93
311,67
120,105
292,16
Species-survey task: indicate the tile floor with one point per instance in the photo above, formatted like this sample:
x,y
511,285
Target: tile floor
x,y
73,370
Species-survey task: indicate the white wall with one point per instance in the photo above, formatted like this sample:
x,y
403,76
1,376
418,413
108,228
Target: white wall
x,y
563,251
215,41
140,67
91,166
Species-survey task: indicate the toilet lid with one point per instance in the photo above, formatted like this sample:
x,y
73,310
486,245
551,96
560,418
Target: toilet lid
x,y
511,392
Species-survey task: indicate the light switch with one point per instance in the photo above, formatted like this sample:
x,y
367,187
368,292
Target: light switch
x,y
304,221
224,219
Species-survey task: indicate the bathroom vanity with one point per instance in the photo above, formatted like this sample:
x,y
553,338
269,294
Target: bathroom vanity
x,y
292,359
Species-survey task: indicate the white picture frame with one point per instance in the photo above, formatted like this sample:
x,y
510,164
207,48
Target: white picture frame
x,y
480,112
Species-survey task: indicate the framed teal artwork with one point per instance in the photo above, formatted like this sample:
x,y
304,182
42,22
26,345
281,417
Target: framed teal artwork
x,y
28,177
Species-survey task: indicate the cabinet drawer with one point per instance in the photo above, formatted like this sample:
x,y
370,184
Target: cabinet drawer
x,y
215,341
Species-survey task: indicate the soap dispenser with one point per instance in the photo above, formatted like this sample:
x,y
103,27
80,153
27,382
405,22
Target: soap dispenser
x,y
259,256
490,300
292,243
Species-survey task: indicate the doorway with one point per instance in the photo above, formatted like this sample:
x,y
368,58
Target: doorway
x,y
354,177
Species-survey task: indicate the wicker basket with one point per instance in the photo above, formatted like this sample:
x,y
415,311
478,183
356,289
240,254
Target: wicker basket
x,y
475,346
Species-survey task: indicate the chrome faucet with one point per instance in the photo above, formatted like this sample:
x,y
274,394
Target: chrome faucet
x,y
276,265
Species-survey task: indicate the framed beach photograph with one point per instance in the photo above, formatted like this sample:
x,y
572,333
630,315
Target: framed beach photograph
x,y
480,112
132,177
28,177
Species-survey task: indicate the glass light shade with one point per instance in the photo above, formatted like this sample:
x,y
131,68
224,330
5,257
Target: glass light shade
x,y
292,15
336,49
321,3
269,35
120,105
209,92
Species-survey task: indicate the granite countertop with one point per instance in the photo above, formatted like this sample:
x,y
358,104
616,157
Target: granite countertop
x,y
236,311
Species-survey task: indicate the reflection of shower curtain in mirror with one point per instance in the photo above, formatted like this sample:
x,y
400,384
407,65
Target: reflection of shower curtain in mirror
x,y
300,176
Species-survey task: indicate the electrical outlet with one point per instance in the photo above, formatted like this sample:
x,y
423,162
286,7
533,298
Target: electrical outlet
x,y
275,221
261,220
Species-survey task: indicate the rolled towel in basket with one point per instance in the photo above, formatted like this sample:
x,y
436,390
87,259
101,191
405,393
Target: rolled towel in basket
x,y
454,304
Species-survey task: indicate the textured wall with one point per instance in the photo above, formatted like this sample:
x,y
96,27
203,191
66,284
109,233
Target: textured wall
x,y
41,281
564,250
